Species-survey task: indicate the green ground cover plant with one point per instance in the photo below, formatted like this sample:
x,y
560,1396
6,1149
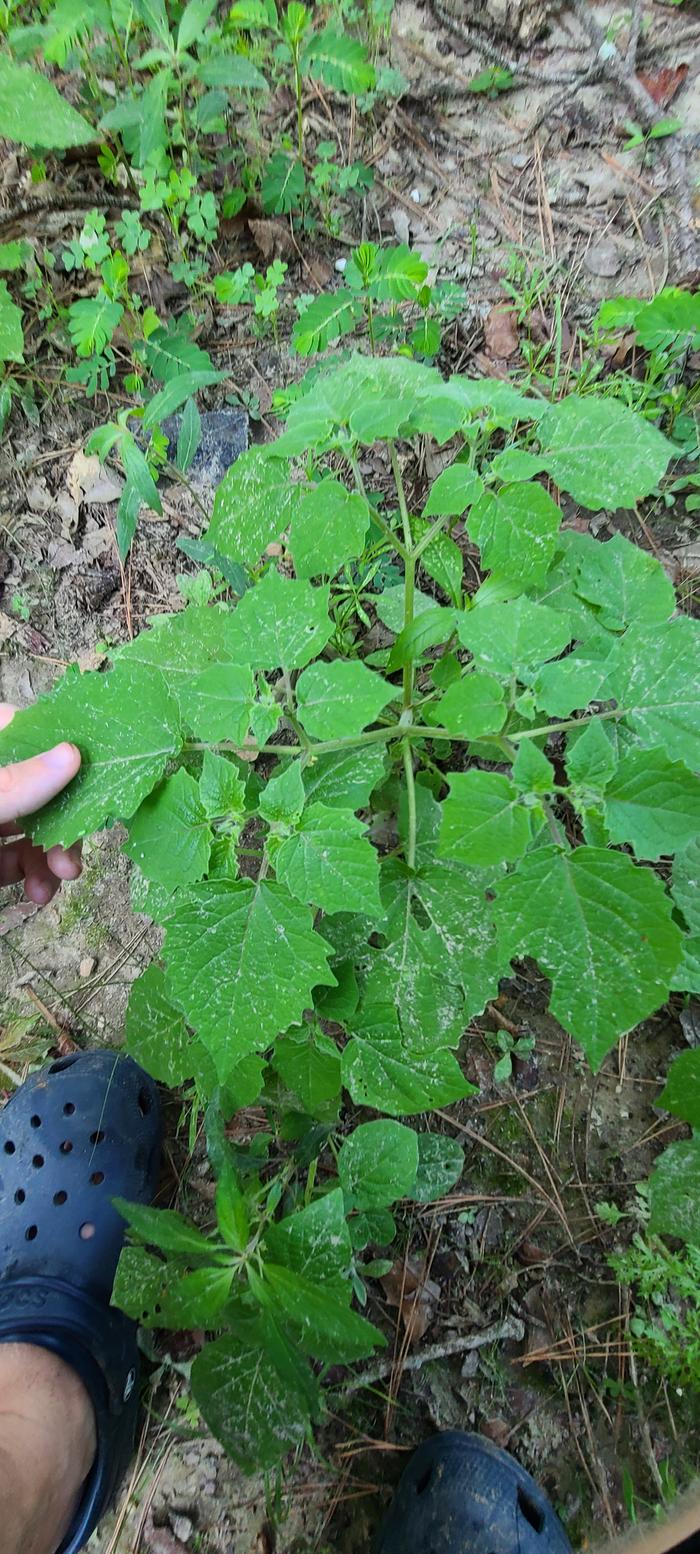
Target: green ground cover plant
x,y
534,747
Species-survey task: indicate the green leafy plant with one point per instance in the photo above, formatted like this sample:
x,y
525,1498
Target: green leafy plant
x,y
535,744
637,136
509,1047
665,1327
385,288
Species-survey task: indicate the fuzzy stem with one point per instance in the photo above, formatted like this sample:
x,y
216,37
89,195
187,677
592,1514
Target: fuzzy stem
x,y
411,796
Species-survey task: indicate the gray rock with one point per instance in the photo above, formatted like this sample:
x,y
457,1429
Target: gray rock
x,y
603,258
224,439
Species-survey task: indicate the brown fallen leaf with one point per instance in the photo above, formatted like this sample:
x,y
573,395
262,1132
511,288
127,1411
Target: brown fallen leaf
x,y
501,338
272,238
663,85
407,1286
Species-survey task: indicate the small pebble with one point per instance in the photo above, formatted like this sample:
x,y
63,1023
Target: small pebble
x,y
603,258
341,265
182,1528
87,966
415,196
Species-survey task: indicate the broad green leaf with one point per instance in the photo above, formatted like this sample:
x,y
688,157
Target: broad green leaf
x,y
283,797
426,338
379,1071
92,322
483,819
674,1192
339,699
456,489
374,1225
169,836
221,788
13,256
254,503
591,760
315,1241
171,353
516,531
681,1093
328,530
155,901
189,436
233,71
181,645
652,803
600,927
426,630
344,779
572,682
217,703
309,1063
326,319
176,391
389,606
399,275
241,960
255,1393
687,976
164,1228
319,1316
625,584
157,1294
516,464
329,861
123,755
33,113
338,1003
378,419
415,977
603,454
686,884
11,332
509,638
339,60
455,901
280,623
655,678
377,1164
156,1034
283,185
442,560
193,22
472,706
440,1165
532,772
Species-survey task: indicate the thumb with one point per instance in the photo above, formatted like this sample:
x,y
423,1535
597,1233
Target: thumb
x,y
27,785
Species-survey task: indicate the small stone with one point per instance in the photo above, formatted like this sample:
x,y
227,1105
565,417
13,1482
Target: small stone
x,y
224,439
520,159
341,266
416,196
87,966
182,1528
602,258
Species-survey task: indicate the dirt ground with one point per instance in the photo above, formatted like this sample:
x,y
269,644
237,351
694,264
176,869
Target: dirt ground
x,y
515,1325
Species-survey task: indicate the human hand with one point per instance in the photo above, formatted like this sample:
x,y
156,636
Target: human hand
x,y
24,787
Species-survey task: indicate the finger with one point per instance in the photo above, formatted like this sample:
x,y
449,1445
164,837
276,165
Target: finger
x,y
39,884
27,785
11,869
7,712
64,862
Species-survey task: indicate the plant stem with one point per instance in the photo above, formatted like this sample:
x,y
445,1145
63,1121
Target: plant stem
x,y
300,104
430,534
370,324
392,731
411,796
386,528
410,570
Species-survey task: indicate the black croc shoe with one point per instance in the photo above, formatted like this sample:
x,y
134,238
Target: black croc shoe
x,y
460,1494
73,1137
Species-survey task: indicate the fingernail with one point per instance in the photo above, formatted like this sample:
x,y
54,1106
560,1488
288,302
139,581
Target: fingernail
x,y
62,757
